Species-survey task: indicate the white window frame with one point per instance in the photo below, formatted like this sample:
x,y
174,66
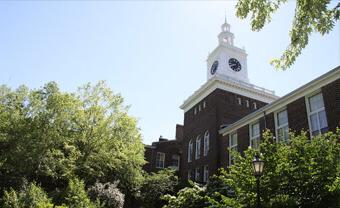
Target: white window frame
x,y
277,127
205,173
247,103
161,161
197,174
309,113
199,108
204,104
175,158
198,147
190,150
206,143
232,147
195,111
254,137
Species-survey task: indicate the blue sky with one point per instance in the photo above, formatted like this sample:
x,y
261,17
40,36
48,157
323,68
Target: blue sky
x,y
153,53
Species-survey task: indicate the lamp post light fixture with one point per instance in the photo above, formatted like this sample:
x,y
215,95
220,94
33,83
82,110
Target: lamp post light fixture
x,y
257,169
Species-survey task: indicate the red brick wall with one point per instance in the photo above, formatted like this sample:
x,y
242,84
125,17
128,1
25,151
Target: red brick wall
x,y
170,148
221,108
331,97
297,115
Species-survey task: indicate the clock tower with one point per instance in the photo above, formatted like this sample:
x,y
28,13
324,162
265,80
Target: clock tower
x,y
227,61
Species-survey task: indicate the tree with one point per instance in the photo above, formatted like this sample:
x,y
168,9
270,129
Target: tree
x,y
52,137
157,185
310,16
30,196
302,173
297,174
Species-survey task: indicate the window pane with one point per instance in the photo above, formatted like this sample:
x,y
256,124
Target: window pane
x,y
322,119
280,134
255,143
314,122
286,133
282,118
233,140
160,160
255,129
316,102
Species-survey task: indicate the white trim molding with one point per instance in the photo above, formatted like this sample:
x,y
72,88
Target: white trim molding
x,y
231,85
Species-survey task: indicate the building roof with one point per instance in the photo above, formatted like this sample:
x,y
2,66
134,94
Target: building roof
x,y
231,85
302,91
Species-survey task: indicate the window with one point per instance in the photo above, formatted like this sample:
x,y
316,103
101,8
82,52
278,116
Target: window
x,y
189,174
232,146
206,144
204,104
198,147
175,162
195,111
254,105
239,101
317,115
199,108
255,135
197,174
160,157
206,174
282,126
190,149
247,103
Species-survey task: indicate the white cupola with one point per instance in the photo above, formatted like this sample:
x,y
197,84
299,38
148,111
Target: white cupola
x,y
226,37
226,60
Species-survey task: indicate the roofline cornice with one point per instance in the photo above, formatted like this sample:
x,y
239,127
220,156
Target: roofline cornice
x,y
231,85
302,91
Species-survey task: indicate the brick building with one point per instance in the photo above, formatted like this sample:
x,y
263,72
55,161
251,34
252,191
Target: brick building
x,y
230,112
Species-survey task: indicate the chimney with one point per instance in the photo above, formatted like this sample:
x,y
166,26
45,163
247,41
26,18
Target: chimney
x,y
179,132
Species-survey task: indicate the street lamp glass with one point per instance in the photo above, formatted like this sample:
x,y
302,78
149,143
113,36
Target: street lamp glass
x,y
257,166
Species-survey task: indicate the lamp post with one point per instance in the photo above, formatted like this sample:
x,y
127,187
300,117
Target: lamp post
x,y
257,169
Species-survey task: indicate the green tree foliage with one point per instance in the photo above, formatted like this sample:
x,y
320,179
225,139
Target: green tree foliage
x,y
302,173
310,16
156,185
76,196
51,137
30,196
298,174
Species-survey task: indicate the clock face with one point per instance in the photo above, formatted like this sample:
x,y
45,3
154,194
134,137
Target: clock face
x,y
213,68
235,64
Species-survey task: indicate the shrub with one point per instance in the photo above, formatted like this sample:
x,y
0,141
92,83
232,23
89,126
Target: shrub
x,y
76,196
157,185
30,196
108,194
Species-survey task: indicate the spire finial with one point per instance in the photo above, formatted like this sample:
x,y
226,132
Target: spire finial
x,y
225,16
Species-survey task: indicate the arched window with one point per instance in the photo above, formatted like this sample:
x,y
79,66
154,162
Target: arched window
x,y
198,147
190,148
206,143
